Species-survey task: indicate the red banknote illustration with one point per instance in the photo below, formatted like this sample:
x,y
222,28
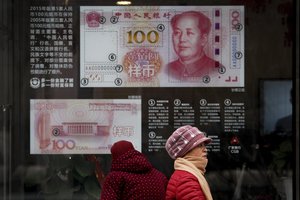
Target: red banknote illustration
x,y
162,46
82,126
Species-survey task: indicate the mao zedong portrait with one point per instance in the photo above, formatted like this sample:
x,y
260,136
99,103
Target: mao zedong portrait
x,y
190,37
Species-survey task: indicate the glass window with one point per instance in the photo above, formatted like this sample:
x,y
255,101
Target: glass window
x,y
78,76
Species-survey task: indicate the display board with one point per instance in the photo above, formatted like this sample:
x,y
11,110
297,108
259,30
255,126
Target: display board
x,y
144,48
94,73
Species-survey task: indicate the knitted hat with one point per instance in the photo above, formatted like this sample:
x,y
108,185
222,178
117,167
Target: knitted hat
x,y
185,139
120,147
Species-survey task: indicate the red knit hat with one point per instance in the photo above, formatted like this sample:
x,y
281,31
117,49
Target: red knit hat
x,y
120,147
185,139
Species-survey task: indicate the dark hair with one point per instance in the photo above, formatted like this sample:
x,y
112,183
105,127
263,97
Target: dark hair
x,y
204,23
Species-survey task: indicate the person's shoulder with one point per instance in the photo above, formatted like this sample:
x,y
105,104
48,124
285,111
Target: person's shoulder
x,y
183,179
158,173
181,174
114,176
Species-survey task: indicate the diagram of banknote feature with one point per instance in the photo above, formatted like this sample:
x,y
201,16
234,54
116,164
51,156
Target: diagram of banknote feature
x,y
143,62
236,34
82,126
147,47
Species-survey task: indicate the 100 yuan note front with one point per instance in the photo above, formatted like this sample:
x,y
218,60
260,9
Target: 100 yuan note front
x,y
162,46
86,126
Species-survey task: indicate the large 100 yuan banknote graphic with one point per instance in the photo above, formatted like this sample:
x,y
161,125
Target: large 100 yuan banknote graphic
x,y
162,46
86,126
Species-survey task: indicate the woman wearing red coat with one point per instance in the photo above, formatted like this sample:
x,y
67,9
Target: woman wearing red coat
x,y
132,177
187,146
